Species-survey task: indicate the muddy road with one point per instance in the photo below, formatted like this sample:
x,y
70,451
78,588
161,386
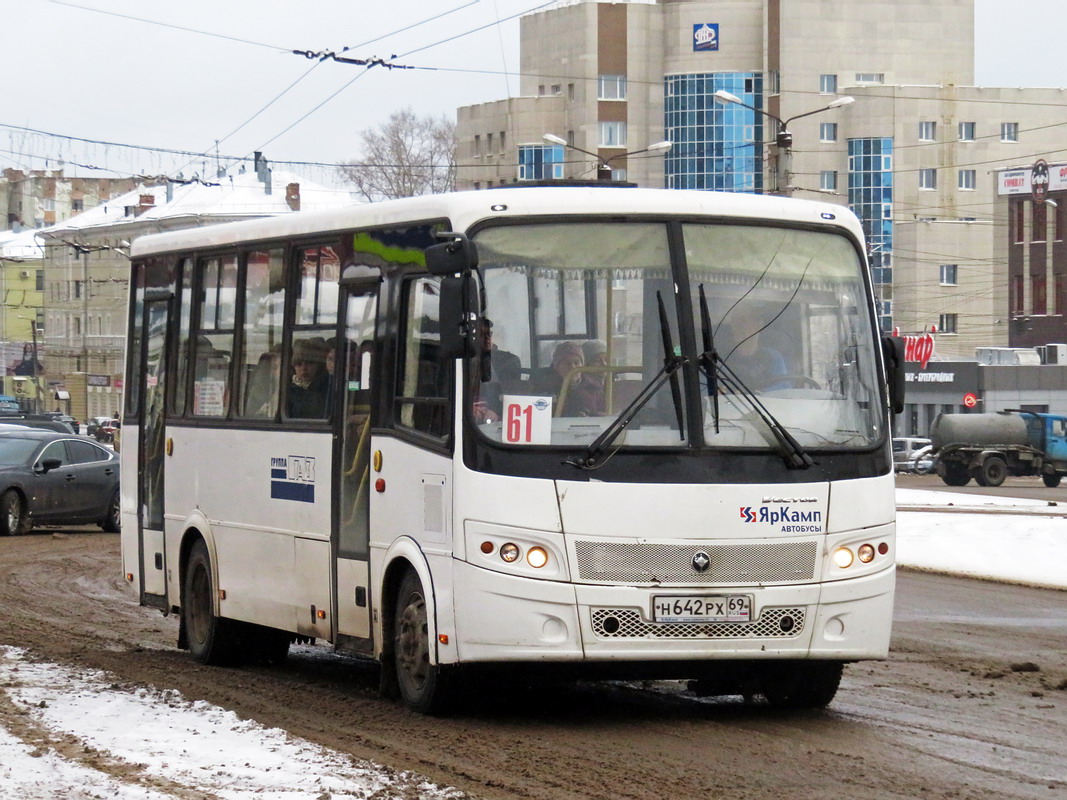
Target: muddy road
x,y
971,704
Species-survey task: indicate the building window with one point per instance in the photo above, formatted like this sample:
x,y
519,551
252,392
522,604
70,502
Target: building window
x,y
870,77
503,140
611,87
77,204
1018,222
870,196
488,144
948,274
966,131
774,82
946,323
966,179
1016,295
828,84
828,180
1039,287
557,88
928,179
539,162
612,134
570,92
39,284
927,131
1009,131
827,131
477,146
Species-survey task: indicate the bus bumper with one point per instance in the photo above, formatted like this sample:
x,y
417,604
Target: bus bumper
x,y
515,619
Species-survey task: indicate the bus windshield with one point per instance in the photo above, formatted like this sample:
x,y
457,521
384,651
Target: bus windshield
x,y
592,324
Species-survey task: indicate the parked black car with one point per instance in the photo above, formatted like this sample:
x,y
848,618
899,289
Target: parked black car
x,y
51,478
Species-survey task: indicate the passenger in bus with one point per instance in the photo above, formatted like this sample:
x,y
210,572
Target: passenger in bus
x,y
262,394
567,359
310,381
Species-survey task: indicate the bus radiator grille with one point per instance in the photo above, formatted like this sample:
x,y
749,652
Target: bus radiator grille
x,y
648,562
628,623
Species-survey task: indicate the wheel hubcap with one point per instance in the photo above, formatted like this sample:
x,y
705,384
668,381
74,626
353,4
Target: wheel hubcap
x,y
412,647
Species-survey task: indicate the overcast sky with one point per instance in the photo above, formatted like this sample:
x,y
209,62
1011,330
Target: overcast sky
x,y
72,69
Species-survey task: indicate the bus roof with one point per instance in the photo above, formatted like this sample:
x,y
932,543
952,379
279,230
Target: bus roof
x,y
464,209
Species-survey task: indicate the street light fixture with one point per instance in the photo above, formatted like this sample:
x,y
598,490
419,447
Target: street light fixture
x,y
603,170
783,139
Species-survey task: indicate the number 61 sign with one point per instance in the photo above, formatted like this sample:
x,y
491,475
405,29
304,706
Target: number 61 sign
x,y
526,419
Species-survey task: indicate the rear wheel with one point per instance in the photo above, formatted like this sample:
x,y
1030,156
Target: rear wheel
x,y
422,685
993,471
112,522
13,516
1051,480
805,684
211,639
955,474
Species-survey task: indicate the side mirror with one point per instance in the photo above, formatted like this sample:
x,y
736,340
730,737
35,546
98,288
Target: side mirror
x,y
48,465
893,355
458,309
458,255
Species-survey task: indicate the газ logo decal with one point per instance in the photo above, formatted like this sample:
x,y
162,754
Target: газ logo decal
x,y
786,514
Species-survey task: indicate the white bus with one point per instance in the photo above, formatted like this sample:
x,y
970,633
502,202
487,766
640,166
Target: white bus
x,y
602,431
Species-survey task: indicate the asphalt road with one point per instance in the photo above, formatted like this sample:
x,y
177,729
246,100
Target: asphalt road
x,y
1031,488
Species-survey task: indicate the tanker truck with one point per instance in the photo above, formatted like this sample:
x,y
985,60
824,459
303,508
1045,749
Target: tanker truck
x,y
990,447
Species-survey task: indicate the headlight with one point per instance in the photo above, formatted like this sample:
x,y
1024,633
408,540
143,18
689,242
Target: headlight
x,y
866,553
537,557
843,557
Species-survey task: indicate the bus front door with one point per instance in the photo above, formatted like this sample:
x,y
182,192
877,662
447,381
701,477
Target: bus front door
x,y
352,399
150,456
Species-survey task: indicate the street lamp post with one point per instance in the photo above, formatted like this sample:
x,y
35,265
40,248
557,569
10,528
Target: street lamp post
x,y
783,139
603,170
36,362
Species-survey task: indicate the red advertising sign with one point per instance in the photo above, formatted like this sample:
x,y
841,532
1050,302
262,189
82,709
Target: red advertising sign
x,y
919,348
970,400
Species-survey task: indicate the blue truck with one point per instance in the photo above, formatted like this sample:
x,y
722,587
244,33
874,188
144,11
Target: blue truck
x,y
990,447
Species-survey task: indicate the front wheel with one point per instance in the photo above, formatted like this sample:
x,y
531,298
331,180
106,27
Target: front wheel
x,y
13,516
211,639
1051,480
112,522
422,684
801,685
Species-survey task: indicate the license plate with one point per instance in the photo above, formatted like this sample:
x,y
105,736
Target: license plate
x,y
702,608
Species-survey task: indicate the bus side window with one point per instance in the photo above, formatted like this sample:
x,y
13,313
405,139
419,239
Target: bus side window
x,y
261,336
424,394
213,344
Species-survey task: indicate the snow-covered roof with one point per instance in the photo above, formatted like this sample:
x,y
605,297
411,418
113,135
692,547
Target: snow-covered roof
x,y
232,196
26,244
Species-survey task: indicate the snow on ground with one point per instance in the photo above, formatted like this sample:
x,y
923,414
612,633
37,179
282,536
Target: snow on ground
x,y
983,536
92,739
74,734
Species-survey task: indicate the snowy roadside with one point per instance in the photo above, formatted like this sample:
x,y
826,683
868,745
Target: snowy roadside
x,y
71,733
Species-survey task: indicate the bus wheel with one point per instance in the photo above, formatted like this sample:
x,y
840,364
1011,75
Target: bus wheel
x,y
805,684
421,683
210,639
1051,480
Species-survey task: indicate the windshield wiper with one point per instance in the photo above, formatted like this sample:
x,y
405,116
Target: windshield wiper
x,y
716,370
590,459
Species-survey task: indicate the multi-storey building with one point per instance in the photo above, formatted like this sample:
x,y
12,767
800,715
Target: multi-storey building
x,y
42,197
913,155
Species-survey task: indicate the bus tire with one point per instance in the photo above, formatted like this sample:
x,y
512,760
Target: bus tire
x,y
802,684
13,516
422,684
994,471
211,639
1051,479
112,522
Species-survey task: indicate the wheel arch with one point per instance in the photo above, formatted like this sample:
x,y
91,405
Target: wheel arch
x,y
404,554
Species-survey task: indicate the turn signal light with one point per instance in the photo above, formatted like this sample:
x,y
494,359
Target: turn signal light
x,y
487,547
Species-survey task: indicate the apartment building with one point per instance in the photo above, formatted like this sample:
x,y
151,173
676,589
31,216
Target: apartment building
x,y
914,153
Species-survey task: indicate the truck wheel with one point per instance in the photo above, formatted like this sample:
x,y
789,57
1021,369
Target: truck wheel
x,y
1051,480
994,471
955,474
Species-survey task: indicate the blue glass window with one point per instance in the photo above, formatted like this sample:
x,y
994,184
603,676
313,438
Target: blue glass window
x,y
539,162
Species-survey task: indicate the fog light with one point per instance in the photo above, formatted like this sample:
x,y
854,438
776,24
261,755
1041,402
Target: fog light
x,y
537,557
510,552
843,557
866,553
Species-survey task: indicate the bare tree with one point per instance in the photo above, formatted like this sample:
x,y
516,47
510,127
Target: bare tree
x,y
405,156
